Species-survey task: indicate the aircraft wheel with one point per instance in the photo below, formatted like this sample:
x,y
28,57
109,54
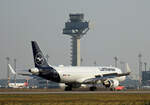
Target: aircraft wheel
x,y
68,88
93,88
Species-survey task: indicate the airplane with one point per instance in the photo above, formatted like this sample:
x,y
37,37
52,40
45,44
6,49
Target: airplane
x,y
74,76
18,85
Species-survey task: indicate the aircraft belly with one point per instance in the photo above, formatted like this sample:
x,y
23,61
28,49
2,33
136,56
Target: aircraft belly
x,y
65,78
75,77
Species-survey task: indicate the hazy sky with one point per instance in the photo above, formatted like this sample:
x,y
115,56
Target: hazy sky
x,y
119,28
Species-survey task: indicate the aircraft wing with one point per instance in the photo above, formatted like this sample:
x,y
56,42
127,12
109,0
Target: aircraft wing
x,y
13,72
107,76
104,77
112,75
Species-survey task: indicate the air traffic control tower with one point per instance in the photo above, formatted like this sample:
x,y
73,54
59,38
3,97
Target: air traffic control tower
x,y
76,27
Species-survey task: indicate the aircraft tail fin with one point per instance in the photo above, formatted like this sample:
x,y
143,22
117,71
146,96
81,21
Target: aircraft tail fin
x,y
39,59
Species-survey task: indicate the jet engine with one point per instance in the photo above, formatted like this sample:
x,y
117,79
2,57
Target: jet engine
x,y
111,83
34,70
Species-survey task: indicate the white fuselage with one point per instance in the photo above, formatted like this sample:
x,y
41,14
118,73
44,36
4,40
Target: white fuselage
x,y
80,74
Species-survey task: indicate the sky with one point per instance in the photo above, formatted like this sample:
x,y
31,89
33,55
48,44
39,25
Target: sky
x,y
118,28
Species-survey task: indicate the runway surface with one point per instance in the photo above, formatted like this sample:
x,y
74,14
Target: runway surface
x,y
81,92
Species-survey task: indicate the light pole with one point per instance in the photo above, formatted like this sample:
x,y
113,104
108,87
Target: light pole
x,y
116,60
7,59
81,60
122,64
15,70
140,69
145,63
47,57
95,63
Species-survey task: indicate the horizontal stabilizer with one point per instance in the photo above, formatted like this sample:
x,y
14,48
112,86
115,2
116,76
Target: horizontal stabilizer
x,y
23,74
11,69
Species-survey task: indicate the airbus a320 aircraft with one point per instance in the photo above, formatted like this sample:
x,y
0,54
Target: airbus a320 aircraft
x,y
74,76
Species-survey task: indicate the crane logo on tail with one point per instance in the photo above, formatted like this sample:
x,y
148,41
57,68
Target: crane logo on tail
x,y
39,60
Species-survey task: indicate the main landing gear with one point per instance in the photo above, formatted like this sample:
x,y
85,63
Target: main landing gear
x,y
93,88
68,88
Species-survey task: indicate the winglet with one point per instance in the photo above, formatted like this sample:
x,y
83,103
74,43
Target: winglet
x,y
11,69
128,68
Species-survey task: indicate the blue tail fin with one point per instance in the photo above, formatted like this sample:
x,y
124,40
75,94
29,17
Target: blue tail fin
x,y
45,71
39,59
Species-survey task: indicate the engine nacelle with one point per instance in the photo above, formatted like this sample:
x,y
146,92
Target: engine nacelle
x,y
34,70
111,83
